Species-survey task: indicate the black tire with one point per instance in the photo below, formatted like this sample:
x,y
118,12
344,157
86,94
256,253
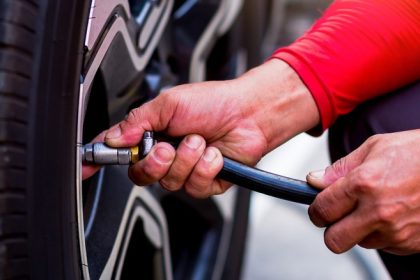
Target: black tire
x,y
40,60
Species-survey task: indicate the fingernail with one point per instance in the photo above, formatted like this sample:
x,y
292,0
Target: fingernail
x,y
319,174
209,155
162,155
114,133
193,141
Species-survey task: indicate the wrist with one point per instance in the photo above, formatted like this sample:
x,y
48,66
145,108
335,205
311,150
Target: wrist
x,y
282,105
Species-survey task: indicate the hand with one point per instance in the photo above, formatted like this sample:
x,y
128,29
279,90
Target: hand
x,y
242,119
372,196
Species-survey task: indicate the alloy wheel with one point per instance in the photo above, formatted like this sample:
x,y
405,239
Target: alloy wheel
x,y
133,50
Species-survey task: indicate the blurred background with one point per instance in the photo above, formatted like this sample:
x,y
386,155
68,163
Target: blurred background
x,y
282,242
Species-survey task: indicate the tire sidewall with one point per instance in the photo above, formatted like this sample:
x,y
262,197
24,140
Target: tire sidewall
x,y
51,193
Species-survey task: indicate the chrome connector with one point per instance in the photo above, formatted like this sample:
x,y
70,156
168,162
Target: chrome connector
x,y
147,143
101,154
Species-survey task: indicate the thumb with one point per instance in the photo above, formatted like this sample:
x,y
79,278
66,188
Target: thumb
x,y
151,116
323,178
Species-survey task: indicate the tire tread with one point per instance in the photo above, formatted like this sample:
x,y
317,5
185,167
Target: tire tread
x,y
18,13
18,20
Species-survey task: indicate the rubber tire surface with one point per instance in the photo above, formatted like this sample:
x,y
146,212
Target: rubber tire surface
x,y
41,51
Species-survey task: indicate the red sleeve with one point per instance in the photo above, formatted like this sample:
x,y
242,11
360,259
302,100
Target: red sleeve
x,y
358,50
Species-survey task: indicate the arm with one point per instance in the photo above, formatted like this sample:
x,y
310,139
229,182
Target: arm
x,y
358,50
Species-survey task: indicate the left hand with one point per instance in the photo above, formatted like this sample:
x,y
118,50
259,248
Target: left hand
x,y
372,196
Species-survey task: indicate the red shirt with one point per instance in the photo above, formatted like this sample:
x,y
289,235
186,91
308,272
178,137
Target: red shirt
x,y
358,50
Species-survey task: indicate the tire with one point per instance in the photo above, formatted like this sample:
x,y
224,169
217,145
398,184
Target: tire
x,y
40,60
49,221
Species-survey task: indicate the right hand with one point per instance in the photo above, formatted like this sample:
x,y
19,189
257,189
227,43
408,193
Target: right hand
x,y
242,119
371,197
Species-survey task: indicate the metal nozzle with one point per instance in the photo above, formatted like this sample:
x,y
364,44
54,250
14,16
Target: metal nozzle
x,y
100,153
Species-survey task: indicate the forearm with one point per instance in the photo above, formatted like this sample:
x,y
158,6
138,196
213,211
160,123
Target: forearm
x,y
282,105
358,50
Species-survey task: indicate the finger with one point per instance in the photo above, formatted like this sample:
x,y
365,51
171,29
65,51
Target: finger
x,y
88,170
348,232
333,203
374,240
154,166
149,116
188,154
323,178
202,183
401,235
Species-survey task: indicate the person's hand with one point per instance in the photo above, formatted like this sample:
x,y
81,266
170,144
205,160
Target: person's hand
x,y
372,196
242,119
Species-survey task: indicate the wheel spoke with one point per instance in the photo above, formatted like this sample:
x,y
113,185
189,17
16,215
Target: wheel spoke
x,y
142,242
105,218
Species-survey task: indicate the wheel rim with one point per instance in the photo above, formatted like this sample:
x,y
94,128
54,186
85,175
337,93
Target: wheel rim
x,y
121,226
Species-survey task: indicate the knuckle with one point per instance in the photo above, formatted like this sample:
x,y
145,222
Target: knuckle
x,y
199,183
196,190
133,115
387,215
400,237
168,96
382,141
189,154
202,173
170,184
374,139
178,173
365,180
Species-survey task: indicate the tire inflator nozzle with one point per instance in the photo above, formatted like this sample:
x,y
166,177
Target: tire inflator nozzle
x,y
102,154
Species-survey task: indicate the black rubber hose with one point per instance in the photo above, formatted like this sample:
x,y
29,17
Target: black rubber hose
x,y
267,183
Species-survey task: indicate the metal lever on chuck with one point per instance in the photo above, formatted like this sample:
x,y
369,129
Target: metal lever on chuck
x,y
232,171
